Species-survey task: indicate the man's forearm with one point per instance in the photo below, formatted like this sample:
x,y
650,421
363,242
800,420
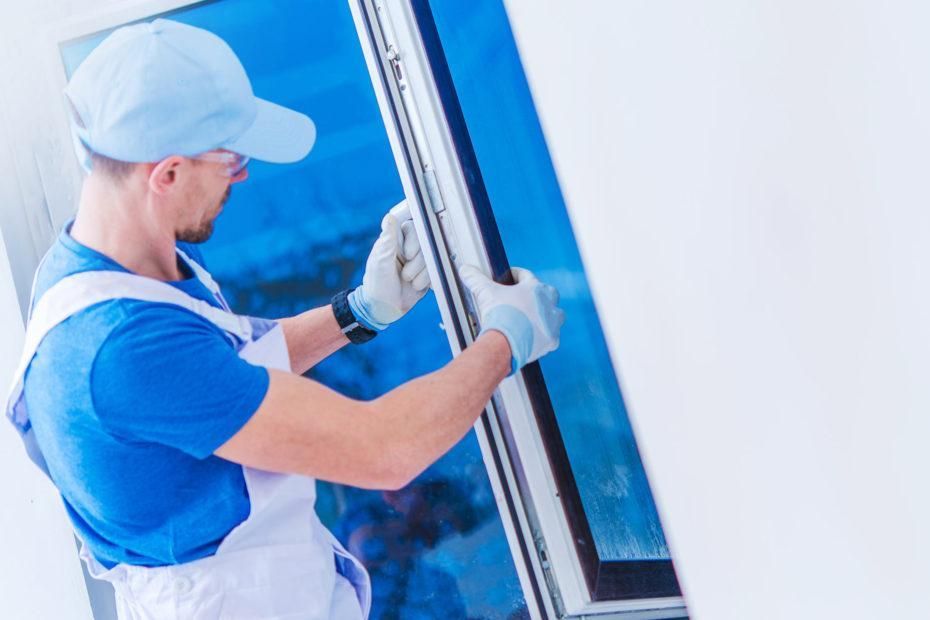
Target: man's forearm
x,y
311,337
422,419
303,427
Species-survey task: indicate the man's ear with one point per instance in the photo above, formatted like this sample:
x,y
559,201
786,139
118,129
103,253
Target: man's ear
x,y
164,174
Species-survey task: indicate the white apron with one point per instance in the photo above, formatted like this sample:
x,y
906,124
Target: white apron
x,y
278,564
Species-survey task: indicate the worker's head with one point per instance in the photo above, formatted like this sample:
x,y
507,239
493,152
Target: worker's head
x,y
163,113
188,192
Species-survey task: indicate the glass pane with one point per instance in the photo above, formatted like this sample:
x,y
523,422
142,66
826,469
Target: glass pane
x,y
293,235
537,234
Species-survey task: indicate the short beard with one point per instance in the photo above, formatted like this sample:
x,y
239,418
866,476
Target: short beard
x,y
205,230
196,235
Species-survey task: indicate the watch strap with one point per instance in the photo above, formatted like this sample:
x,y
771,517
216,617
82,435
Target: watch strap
x,y
354,331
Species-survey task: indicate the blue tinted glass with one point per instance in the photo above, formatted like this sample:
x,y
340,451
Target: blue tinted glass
x,y
537,234
293,235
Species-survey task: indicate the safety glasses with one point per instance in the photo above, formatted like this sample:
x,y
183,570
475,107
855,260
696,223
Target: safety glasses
x,y
234,162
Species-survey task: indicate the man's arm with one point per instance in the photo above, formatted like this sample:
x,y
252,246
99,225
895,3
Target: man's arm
x,y
311,337
395,279
303,427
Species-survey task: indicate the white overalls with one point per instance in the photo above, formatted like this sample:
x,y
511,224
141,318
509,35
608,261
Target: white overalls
x,y
278,564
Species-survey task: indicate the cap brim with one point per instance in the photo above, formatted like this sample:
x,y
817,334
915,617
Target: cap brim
x,y
278,135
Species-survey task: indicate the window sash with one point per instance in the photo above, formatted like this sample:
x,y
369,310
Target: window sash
x,y
552,542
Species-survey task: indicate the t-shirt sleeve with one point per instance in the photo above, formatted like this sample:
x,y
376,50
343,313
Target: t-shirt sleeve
x,y
168,376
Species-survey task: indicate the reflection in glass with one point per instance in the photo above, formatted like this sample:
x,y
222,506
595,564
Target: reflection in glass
x,y
537,234
293,235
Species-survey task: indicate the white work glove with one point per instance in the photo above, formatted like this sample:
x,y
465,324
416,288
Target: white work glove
x,y
395,274
527,312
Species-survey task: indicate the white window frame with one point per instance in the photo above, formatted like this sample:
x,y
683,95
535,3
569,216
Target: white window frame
x,y
510,439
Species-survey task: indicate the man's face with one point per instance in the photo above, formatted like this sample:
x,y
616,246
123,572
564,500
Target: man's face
x,y
210,189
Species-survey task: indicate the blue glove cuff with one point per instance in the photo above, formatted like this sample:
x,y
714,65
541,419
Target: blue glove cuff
x,y
359,306
516,328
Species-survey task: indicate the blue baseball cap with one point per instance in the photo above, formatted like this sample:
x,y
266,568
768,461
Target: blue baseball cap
x,y
163,88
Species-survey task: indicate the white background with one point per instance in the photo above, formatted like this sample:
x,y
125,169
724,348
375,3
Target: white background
x,y
40,574
749,185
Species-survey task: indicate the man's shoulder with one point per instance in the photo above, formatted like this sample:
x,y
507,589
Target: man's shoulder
x,y
118,324
124,324
67,257
117,341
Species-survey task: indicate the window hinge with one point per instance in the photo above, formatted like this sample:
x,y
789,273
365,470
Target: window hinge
x,y
394,58
546,565
432,189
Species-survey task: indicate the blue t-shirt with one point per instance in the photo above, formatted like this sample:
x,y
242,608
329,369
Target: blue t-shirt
x,y
129,400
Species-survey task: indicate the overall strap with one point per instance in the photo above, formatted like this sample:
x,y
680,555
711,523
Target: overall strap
x,y
77,292
82,290
204,276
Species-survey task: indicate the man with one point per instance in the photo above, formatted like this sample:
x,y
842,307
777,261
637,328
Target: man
x,y
183,438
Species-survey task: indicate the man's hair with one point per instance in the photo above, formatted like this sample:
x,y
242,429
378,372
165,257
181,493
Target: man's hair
x,y
112,168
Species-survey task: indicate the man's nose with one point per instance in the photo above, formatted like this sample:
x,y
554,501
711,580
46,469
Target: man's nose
x,y
241,176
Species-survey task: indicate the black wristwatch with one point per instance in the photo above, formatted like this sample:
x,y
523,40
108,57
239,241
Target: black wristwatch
x,y
354,331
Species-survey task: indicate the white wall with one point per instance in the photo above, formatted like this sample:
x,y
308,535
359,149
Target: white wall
x,y
748,181
41,182
40,574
